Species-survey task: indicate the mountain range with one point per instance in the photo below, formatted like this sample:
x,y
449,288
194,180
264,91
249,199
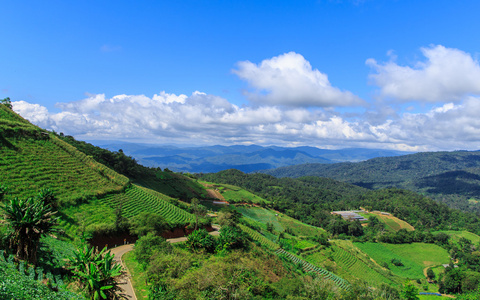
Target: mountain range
x,y
252,158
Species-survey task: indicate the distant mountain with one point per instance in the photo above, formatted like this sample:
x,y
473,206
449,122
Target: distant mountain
x,y
252,158
450,177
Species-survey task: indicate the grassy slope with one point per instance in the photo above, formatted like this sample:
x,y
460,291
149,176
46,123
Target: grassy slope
x,y
457,235
391,223
31,159
415,257
234,194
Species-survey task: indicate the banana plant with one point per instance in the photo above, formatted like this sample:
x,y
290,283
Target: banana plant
x,y
29,220
96,272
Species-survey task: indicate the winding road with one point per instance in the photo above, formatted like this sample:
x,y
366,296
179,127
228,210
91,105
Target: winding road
x,y
126,283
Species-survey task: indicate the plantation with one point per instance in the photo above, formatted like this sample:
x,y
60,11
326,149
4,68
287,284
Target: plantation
x,y
32,164
353,264
136,200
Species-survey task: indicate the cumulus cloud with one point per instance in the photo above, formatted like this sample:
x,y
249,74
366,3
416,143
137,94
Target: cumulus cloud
x,y
289,79
446,75
208,119
289,110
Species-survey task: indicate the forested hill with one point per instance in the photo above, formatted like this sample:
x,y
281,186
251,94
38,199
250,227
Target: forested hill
x,y
311,199
449,177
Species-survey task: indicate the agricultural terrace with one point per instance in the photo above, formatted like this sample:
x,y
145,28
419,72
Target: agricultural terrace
x,y
27,165
415,257
136,200
352,264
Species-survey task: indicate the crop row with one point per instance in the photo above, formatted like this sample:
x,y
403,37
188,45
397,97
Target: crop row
x,y
135,201
256,236
308,267
357,267
40,164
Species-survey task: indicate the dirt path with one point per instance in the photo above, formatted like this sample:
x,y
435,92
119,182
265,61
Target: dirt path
x,y
126,283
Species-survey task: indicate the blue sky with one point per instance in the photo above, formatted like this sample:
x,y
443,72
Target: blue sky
x,y
334,74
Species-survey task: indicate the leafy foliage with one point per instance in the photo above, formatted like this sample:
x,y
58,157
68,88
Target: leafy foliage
x,y
96,272
30,219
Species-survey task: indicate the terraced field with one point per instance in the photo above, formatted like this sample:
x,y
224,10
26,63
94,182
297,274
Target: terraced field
x,y
352,266
256,236
308,267
29,165
136,200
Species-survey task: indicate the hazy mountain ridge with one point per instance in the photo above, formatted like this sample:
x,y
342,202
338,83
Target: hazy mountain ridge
x,y
252,158
450,177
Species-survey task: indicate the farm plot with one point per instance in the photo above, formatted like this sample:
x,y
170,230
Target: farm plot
x,y
414,257
34,164
256,236
262,215
308,267
136,200
352,266
297,227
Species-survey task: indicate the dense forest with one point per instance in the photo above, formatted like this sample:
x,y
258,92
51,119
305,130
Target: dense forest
x,y
449,177
311,199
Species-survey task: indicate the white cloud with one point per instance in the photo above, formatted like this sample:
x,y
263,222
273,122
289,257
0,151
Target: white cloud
x,y
207,119
289,79
447,75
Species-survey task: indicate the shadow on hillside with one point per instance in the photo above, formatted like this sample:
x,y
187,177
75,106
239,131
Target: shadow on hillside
x,y
452,182
6,143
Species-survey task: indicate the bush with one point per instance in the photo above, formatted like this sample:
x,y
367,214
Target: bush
x,y
149,244
397,262
201,240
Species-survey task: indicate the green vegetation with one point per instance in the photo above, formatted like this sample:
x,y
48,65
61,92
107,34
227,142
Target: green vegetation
x,y
415,257
457,235
96,272
449,177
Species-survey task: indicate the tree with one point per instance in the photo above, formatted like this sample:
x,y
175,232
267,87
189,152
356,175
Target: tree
x,y
409,291
148,222
430,274
96,272
231,237
198,210
228,216
30,219
147,245
7,102
355,228
200,239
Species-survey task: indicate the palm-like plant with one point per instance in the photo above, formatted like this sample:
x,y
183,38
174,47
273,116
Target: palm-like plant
x,y
29,219
96,272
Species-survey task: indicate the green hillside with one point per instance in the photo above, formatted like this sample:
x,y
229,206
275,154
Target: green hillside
x,y
449,177
87,191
